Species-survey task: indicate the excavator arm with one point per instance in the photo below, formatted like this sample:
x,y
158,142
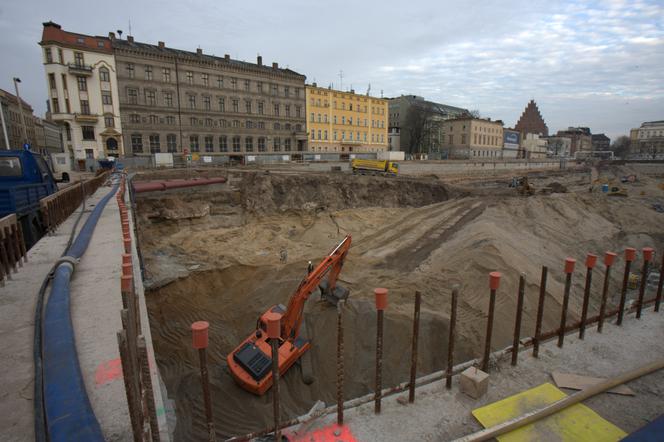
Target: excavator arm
x,y
331,266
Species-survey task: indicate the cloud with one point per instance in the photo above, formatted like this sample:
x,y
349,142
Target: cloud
x,y
597,63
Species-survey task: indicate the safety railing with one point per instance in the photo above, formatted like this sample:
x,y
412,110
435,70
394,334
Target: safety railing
x,y
57,207
12,247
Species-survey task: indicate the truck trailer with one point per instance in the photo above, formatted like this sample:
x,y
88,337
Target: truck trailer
x,y
375,167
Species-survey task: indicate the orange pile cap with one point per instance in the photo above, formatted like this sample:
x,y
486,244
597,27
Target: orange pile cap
x,y
609,257
381,298
273,320
569,265
647,253
126,282
630,254
494,280
591,260
199,334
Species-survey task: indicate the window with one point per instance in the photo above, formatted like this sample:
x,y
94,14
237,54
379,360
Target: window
x,y
109,121
249,144
136,143
287,110
206,103
222,123
275,89
154,144
208,122
68,131
78,59
261,125
277,126
259,86
130,71
313,135
51,81
236,106
343,120
60,56
205,78
220,81
247,106
49,55
249,124
171,143
276,109
334,135
192,101
104,75
298,128
190,77
56,106
106,97
247,85
135,118
261,144
150,98
148,73
88,133
325,135
319,134
193,121
223,143
236,144
276,144
260,108
287,126
298,111
166,75
170,120
319,118
335,119
154,119
132,96
193,143
209,147
82,83
234,84
297,92
85,107
236,123
168,99
287,145
286,91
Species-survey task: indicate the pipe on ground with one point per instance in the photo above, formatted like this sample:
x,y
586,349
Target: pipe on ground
x,y
69,414
161,185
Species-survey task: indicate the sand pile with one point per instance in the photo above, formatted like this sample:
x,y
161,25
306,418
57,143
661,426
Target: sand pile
x,y
225,267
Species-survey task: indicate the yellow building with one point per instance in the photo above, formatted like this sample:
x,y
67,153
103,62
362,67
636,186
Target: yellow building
x,y
345,122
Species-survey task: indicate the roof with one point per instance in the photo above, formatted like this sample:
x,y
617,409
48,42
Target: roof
x,y
437,107
53,33
12,98
129,45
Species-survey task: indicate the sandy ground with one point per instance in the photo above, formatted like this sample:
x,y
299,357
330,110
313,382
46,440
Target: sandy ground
x,y
214,254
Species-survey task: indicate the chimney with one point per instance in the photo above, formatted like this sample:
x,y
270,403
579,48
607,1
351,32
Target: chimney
x,y
259,60
227,57
50,24
199,51
111,35
275,65
161,44
130,38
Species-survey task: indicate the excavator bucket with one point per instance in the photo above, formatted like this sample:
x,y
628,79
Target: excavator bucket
x,y
339,293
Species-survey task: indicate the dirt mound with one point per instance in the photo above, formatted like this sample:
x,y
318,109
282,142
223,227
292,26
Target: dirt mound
x,y
274,193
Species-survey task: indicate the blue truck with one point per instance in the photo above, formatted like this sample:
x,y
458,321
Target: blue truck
x,y
25,179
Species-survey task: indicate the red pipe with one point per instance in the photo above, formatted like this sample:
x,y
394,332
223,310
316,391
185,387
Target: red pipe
x,y
152,186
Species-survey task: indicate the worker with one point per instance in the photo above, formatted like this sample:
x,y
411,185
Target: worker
x,y
283,255
310,268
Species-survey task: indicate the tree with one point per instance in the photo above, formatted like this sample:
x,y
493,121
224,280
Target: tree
x,y
474,113
418,127
620,146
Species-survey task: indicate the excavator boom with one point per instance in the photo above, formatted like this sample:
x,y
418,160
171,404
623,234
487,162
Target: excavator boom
x,y
250,362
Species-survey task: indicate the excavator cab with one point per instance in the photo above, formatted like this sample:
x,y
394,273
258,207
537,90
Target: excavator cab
x,y
334,295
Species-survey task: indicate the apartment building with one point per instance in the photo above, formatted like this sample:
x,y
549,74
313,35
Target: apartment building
x,y
83,93
345,122
474,138
192,103
14,124
648,140
581,139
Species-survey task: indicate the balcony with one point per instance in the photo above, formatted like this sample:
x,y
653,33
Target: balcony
x,y
80,69
86,118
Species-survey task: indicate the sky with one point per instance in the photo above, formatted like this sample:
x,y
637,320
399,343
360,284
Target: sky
x,y
597,64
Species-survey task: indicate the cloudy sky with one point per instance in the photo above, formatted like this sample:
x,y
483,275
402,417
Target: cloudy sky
x,y
596,63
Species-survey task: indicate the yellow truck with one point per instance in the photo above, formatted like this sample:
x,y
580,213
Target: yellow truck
x,y
375,167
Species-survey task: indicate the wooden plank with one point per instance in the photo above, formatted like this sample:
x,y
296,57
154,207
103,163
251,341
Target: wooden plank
x,y
577,382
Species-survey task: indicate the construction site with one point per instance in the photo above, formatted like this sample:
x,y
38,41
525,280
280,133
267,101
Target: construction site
x,y
228,251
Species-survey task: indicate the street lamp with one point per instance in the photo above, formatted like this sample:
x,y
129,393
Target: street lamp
x,y
20,110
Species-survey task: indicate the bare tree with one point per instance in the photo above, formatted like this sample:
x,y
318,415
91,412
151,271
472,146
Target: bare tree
x,y
418,126
620,146
474,113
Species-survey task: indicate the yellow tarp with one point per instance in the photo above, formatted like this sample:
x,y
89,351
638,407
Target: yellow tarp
x,y
575,423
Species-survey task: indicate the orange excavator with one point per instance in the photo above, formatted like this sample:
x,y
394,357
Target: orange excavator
x,y
251,362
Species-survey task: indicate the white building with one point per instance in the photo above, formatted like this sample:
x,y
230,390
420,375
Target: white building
x,y
534,146
648,140
83,93
558,146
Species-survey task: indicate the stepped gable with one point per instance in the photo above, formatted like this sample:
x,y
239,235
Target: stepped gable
x,y
531,121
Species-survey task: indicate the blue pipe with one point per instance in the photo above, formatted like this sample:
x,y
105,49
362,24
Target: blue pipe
x,y
69,414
